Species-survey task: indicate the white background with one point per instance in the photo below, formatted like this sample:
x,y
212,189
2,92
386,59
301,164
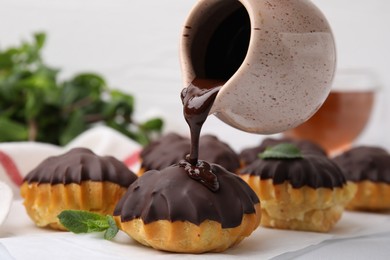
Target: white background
x,y
135,45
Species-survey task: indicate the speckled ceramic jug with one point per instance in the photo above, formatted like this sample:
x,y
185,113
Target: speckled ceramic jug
x,y
277,58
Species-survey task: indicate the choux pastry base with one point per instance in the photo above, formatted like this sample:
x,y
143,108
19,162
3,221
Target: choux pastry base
x,y
305,208
370,196
44,202
186,237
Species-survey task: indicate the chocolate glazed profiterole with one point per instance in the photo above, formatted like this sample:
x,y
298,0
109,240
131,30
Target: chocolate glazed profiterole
x,y
192,206
79,180
172,148
369,168
249,155
306,193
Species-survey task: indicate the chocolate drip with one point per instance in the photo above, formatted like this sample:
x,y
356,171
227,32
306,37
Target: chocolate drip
x,y
201,172
365,163
171,195
313,171
198,99
80,164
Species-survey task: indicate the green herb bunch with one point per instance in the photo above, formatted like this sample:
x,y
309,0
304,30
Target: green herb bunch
x,y
36,106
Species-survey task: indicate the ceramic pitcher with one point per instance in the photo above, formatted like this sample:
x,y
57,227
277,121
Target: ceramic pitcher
x,y
276,57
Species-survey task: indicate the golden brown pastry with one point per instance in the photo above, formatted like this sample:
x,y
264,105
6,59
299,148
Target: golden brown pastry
x,y
369,168
177,210
78,180
307,193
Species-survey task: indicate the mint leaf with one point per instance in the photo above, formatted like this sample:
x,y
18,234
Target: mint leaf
x,y
112,230
96,225
79,221
10,129
40,39
75,126
152,124
282,151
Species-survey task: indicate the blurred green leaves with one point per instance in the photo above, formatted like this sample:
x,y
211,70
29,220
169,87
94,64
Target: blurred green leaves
x,y
36,106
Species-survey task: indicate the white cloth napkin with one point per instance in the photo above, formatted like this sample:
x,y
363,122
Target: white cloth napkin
x,y
20,239
6,197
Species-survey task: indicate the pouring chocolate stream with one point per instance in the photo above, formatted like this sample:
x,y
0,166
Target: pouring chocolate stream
x,y
198,99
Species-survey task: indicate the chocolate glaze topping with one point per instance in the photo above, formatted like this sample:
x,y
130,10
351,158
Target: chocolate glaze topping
x,y
167,150
312,170
171,195
365,163
215,151
80,164
247,156
172,148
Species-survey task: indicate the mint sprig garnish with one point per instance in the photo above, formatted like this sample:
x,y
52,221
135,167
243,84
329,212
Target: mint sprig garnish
x,y
36,104
80,221
112,230
282,151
